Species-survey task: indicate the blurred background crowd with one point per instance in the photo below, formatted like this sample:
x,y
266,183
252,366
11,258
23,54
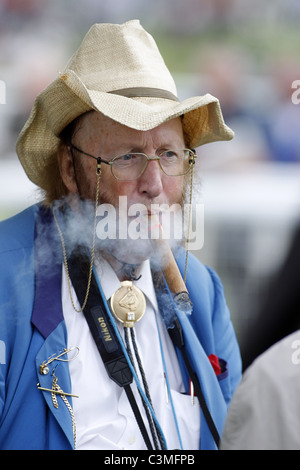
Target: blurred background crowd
x,y
246,54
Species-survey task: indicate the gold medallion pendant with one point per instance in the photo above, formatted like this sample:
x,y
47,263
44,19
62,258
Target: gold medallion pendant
x,y
128,304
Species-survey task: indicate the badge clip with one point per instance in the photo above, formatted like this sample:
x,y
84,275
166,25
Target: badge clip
x,y
44,369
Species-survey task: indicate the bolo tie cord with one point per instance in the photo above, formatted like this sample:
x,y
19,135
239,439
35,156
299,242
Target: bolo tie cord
x,y
156,434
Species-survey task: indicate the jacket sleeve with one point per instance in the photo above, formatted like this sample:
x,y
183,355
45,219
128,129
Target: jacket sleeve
x,y
16,293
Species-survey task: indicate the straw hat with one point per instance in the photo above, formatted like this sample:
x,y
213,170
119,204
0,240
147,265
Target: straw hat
x,y
117,70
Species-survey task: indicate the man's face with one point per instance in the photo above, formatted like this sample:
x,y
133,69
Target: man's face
x,y
100,136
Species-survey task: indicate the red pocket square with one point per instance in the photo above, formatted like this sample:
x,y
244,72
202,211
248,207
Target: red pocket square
x,y
214,360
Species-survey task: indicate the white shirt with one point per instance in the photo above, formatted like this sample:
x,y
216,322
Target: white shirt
x,y
103,415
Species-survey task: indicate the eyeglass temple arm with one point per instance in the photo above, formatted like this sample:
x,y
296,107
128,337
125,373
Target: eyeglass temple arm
x,y
99,159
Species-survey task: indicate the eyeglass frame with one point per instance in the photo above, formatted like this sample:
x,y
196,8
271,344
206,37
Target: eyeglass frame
x,y
148,159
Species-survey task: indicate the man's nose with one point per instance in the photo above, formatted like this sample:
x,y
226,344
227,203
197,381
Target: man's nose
x,y
150,182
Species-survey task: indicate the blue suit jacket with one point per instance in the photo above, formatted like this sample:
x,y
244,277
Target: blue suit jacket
x,y
32,328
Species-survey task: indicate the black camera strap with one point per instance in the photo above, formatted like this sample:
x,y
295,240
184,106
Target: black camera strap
x,y
104,335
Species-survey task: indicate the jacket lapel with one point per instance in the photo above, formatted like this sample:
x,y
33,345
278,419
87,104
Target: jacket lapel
x,y
48,319
198,359
208,381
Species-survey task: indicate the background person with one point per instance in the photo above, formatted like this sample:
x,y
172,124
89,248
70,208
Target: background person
x,y
264,412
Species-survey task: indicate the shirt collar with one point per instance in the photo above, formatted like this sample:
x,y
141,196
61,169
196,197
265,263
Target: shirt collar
x,y
110,282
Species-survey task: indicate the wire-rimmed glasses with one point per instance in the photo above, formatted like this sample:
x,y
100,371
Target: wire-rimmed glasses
x,y
131,166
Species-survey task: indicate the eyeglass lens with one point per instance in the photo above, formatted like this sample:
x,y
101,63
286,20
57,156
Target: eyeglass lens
x,y
132,165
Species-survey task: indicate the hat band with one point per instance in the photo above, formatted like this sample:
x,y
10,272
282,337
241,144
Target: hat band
x,y
142,92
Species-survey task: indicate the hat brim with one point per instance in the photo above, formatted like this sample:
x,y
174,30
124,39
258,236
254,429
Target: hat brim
x,y
67,98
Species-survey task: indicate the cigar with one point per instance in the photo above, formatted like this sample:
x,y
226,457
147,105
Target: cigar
x,y
169,266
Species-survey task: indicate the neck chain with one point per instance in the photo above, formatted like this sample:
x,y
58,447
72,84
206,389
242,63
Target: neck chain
x,y
189,224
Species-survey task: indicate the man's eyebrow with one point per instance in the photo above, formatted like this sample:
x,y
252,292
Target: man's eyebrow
x,y
128,149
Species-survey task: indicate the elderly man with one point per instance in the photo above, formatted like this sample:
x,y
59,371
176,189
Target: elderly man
x,y
105,347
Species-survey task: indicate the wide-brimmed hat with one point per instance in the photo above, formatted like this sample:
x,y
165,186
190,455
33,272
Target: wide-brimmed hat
x,y
118,71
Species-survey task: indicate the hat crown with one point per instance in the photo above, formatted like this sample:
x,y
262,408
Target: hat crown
x,y
113,57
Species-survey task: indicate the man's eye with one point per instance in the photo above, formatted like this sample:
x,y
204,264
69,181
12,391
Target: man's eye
x,y
124,160
127,156
170,155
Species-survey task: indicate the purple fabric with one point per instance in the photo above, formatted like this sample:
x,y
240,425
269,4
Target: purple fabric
x,y
47,309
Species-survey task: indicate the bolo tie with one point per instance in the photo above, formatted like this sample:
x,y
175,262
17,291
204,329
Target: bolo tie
x,y
128,305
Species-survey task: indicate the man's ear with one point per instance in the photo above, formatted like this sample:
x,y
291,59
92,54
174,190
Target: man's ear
x,y
66,168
